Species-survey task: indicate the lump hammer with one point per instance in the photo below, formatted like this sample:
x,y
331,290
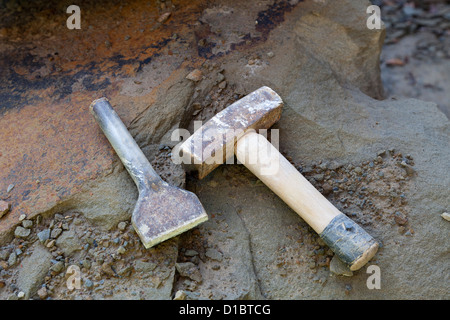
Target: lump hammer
x,y
233,131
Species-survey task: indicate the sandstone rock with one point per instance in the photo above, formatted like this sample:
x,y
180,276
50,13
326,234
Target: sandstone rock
x,y
42,293
57,267
141,266
195,75
56,232
190,270
44,235
122,226
12,259
180,295
27,224
34,268
69,242
339,268
213,254
21,232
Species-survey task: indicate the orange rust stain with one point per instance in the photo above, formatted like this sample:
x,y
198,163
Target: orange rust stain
x,y
50,144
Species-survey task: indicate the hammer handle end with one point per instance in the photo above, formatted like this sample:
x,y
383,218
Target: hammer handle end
x,y
348,240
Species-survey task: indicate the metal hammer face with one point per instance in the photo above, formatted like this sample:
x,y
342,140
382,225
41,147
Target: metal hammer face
x,y
214,142
259,110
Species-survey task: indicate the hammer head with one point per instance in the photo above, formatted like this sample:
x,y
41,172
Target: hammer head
x,y
212,144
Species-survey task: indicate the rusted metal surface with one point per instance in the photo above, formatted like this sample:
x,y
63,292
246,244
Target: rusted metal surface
x,y
214,142
49,144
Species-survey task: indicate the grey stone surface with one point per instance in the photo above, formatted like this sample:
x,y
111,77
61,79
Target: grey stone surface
x,y
69,242
33,270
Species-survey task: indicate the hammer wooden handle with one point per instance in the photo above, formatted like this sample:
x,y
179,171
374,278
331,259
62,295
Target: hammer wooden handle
x,y
348,240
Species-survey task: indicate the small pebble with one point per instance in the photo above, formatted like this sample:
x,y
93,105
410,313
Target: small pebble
x,y
12,260
348,288
42,293
21,232
220,77
21,294
27,224
446,216
57,267
400,219
381,153
88,283
51,243
223,84
180,295
213,254
122,226
190,253
86,264
190,270
339,268
10,187
56,232
163,18
195,75
22,217
327,188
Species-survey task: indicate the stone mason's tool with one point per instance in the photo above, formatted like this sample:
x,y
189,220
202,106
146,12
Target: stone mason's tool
x,y
216,141
162,211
